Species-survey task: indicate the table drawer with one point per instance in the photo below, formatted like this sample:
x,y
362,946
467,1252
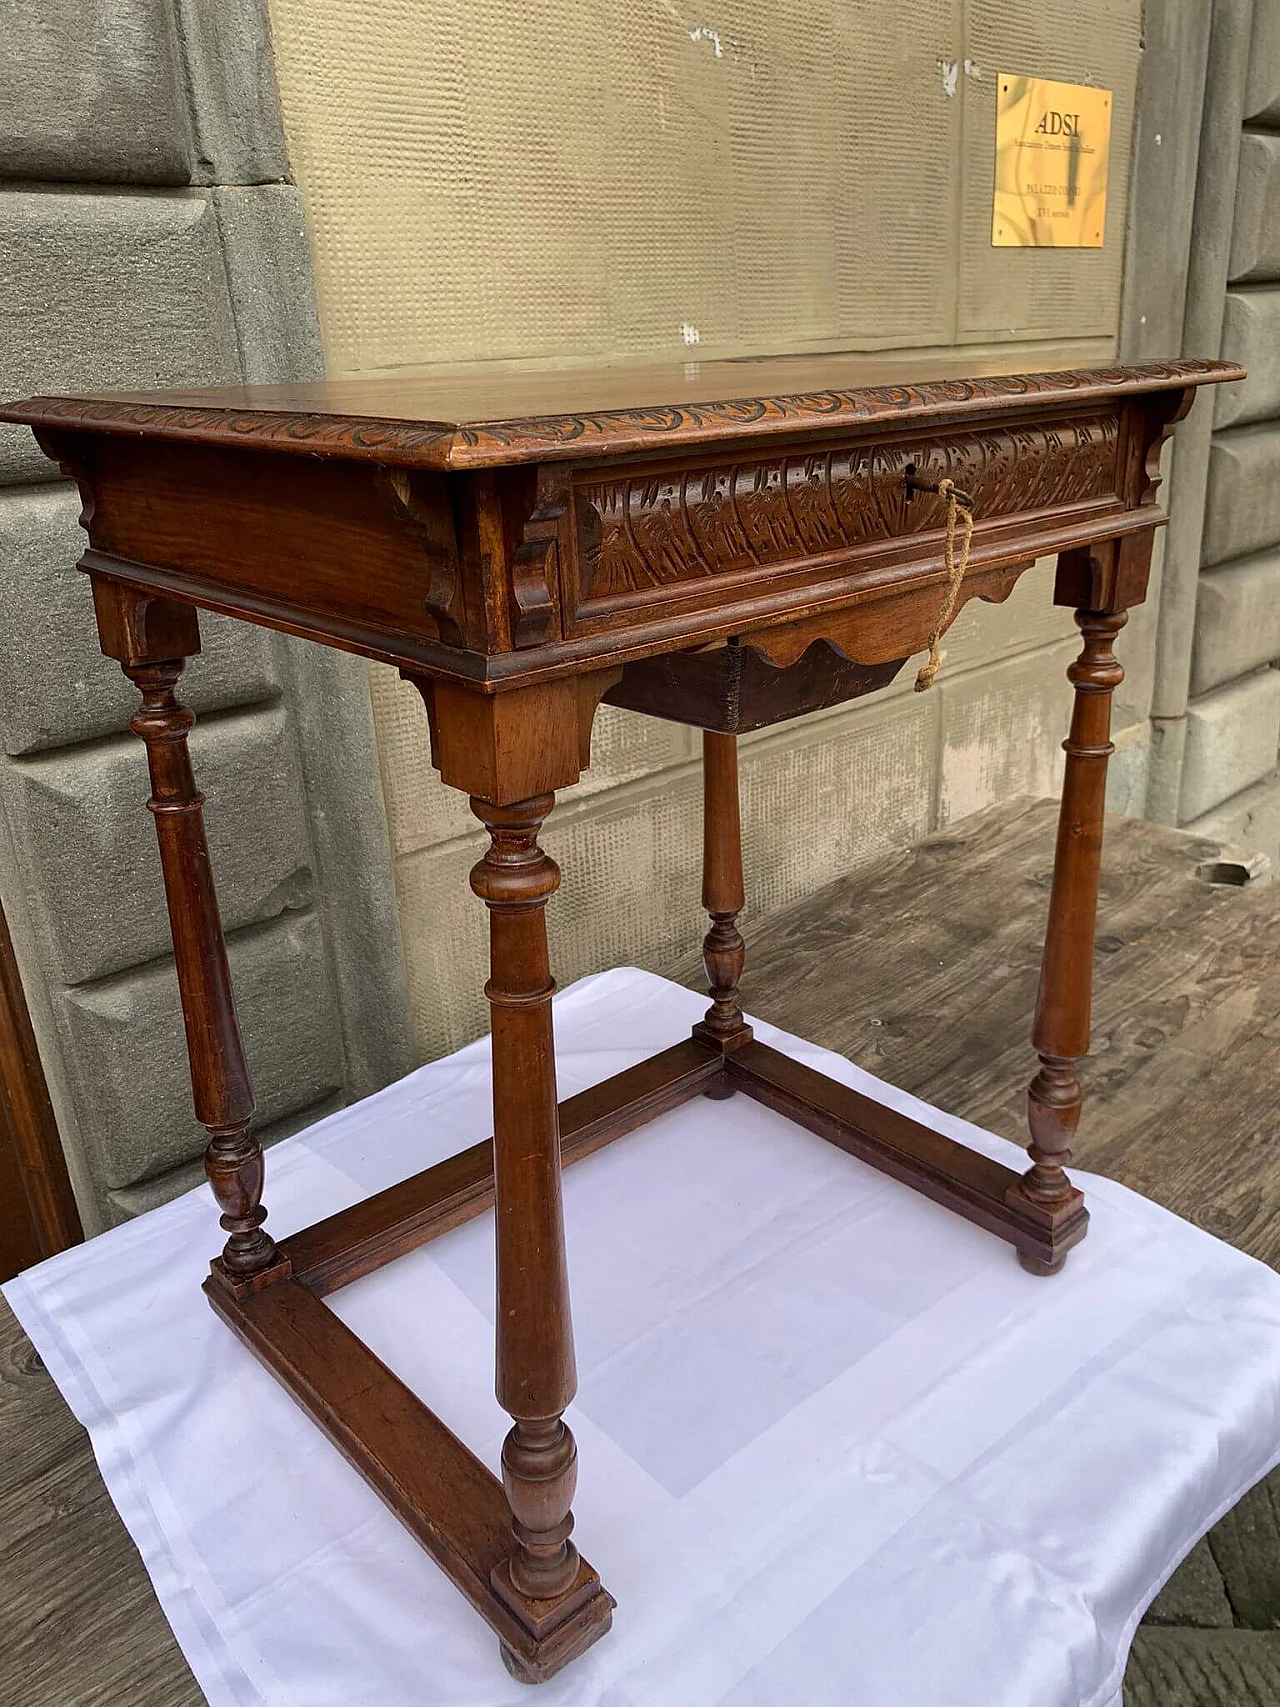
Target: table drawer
x,y
651,534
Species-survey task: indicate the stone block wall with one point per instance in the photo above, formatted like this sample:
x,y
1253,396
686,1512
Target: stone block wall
x,y
1230,784
149,236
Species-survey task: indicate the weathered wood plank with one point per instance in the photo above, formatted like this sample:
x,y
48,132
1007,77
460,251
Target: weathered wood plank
x,y
36,1428
82,1626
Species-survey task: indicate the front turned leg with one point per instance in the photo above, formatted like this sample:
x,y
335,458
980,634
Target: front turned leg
x,y
220,1083
1061,1031
544,1580
723,896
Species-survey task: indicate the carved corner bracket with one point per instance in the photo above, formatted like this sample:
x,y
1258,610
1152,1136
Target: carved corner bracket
x,y
535,563
1160,416
421,506
71,455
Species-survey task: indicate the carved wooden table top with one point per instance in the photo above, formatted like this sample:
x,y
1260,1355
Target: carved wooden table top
x,y
726,544
609,510
492,413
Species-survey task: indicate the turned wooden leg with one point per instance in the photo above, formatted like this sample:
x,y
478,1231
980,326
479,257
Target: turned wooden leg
x,y
1061,1031
151,638
723,950
219,1077
536,1377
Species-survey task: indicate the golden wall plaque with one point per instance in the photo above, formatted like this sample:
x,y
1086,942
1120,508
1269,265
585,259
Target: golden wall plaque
x,y
1052,142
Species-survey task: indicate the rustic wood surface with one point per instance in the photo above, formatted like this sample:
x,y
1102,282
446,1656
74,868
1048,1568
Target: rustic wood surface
x,y
937,996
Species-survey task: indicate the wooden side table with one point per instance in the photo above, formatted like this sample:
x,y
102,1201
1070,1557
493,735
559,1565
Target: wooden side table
x,y
522,547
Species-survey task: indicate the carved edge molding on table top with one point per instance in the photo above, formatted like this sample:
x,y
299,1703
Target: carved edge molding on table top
x,y
363,438
439,445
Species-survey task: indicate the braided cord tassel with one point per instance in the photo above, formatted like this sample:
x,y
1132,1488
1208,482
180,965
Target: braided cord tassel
x,y
956,567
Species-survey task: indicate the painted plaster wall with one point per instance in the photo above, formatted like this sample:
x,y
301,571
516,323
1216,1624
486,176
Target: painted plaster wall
x,y
508,184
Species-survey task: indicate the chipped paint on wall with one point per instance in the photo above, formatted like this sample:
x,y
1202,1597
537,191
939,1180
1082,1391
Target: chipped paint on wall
x,y
703,32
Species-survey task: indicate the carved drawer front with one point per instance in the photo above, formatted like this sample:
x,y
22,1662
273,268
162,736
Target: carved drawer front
x,y
647,533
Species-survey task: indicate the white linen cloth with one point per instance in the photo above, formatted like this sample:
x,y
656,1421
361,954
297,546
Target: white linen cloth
x,y
835,1447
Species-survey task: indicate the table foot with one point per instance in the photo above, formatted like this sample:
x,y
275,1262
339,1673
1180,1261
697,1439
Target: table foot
x,y
554,1655
551,1633
519,1669
1035,1264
